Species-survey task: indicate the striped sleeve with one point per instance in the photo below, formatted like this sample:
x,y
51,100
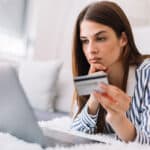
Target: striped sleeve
x,y
142,98
85,122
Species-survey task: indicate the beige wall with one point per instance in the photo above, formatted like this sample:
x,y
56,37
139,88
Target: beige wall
x,y
56,20
54,34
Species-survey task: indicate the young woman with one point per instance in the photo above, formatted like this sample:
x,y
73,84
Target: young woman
x,y
103,41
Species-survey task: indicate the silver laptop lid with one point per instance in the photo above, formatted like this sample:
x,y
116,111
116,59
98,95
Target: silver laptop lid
x,y
16,116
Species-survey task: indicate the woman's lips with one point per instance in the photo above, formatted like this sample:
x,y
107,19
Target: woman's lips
x,y
97,60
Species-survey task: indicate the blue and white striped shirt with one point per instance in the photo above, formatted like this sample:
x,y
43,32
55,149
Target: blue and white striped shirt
x,y
138,114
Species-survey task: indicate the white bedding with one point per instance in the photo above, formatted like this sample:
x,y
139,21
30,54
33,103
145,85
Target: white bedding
x,y
8,142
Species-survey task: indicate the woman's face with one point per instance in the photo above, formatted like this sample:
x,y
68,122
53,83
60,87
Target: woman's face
x,y
100,43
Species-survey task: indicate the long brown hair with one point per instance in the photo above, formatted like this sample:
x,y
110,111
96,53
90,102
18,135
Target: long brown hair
x,y
110,14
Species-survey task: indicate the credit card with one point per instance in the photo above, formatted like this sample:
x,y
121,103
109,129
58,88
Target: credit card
x,y
86,84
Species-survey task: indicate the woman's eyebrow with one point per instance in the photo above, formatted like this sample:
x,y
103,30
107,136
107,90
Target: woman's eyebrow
x,y
83,37
100,32
95,34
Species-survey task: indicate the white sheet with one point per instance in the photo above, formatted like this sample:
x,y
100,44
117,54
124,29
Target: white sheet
x,y
8,142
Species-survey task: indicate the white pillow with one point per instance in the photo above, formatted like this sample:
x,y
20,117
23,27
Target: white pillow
x,y
65,90
39,80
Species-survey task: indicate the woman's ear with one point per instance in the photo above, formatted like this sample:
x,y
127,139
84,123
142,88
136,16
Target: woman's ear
x,y
123,39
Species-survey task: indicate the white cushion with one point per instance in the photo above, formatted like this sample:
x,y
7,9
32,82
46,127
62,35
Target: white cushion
x,y
65,90
39,80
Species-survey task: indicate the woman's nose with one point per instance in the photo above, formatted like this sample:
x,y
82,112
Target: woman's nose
x,y
92,48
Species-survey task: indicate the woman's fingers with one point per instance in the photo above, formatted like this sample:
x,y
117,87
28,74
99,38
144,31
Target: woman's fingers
x,y
104,100
120,103
96,67
121,98
112,108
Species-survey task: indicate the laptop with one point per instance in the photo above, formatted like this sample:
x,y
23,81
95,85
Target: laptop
x,y
18,119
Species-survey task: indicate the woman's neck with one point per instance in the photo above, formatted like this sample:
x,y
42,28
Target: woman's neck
x,y
116,74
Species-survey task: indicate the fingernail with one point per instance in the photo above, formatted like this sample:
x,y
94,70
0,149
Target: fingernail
x,y
96,90
105,68
102,87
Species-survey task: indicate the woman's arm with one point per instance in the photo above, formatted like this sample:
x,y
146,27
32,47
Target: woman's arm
x,y
93,105
137,126
87,118
122,126
85,122
117,103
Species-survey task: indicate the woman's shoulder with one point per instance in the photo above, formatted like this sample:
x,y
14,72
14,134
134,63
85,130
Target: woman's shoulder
x,y
145,65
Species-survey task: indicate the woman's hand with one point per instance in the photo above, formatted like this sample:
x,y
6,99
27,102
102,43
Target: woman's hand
x,y
93,104
115,102
96,67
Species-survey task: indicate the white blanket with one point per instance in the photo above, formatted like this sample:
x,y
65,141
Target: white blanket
x,y
8,142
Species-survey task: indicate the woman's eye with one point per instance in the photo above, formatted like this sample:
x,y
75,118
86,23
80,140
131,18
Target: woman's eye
x,y
101,38
84,41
